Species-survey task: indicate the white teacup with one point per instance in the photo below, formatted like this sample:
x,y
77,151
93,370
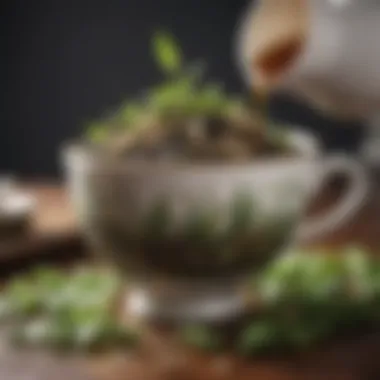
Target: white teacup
x,y
198,230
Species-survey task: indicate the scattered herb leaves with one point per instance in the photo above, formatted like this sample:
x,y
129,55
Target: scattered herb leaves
x,y
49,307
308,297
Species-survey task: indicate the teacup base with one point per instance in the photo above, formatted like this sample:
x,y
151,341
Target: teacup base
x,y
186,303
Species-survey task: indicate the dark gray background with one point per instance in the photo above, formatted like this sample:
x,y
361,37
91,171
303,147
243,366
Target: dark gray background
x,y
65,62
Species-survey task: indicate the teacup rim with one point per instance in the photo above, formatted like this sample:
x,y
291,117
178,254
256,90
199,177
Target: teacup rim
x,y
306,142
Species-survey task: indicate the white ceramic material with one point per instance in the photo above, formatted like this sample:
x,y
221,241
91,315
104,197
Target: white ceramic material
x,y
113,197
338,70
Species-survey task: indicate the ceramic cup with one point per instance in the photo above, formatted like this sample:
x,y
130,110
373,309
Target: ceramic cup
x,y
188,235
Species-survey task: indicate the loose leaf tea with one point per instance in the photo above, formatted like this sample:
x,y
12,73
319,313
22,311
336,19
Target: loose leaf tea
x,y
186,118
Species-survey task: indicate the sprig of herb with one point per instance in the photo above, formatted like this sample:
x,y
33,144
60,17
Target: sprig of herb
x,y
167,52
181,94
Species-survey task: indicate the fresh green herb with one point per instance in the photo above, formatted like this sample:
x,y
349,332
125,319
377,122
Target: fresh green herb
x,y
97,132
309,296
181,94
62,332
130,113
21,298
278,135
167,52
59,310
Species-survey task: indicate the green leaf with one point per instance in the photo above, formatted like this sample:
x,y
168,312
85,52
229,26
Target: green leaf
x,y
90,289
282,279
325,277
45,332
236,104
6,308
167,52
211,100
23,296
65,310
49,279
97,132
279,136
130,113
175,96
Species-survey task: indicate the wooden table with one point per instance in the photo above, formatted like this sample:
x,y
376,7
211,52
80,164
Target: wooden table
x,y
161,359
53,232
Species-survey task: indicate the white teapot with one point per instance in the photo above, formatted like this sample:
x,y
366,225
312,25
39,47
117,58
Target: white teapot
x,y
325,51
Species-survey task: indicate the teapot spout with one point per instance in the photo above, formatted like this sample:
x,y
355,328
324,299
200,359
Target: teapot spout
x,y
271,38
325,52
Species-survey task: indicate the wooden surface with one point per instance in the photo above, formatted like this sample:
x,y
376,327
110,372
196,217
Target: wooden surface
x,y
160,359
52,226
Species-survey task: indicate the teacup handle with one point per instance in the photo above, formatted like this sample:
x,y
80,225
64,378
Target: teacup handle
x,y
347,207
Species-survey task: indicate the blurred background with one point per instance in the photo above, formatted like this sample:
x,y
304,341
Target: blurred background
x,y
65,62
